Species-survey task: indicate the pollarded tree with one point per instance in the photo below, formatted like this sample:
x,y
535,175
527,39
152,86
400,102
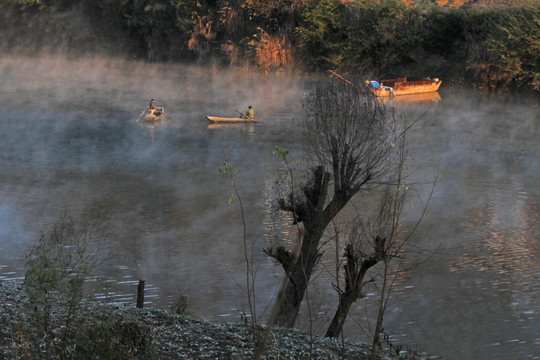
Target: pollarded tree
x,y
373,238
351,137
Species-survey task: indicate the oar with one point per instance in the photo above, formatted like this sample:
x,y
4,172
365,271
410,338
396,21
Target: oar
x,y
168,117
140,115
244,116
347,81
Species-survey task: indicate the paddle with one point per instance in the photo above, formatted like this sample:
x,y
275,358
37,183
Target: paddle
x,y
140,115
347,81
244,116
168,117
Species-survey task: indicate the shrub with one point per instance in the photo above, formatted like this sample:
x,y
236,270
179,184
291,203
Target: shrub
x,y
54,284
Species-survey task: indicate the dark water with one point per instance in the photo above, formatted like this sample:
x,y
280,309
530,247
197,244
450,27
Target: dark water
x,y
70,140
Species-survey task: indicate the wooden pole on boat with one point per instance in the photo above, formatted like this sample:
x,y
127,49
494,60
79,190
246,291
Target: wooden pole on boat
x,y
342,78
168,117
244,116
140,294
140,115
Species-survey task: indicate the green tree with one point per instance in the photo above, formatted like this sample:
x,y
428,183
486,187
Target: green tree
x,y
384,34
163,29
515,45
321,31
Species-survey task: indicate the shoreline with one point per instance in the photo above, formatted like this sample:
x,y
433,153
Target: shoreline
x,y
152,333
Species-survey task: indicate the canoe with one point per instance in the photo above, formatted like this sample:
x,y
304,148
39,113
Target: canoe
x,y
218,119
404,86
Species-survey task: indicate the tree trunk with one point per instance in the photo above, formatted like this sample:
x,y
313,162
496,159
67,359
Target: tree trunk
x,y
336,326
316,218
382,306
354,279
299,279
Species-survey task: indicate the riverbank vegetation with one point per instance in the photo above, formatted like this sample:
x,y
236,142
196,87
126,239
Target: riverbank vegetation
x,y
115,333
491,44
51,315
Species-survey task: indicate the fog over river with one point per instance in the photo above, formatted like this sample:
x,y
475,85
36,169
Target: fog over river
x,y
70,140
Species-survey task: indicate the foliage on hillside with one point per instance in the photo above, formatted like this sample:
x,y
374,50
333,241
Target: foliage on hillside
x,y
490,43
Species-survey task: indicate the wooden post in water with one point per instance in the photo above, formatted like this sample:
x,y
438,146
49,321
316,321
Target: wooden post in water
x,y
140,294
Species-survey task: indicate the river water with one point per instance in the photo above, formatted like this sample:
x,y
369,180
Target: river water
x,y
70,140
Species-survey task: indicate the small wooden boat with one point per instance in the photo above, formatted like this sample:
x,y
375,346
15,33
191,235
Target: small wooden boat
x,y
155,115
153,118
217,119
404,86
413,99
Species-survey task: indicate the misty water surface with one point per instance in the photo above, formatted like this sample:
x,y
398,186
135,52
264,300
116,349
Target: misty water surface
x,y
70,140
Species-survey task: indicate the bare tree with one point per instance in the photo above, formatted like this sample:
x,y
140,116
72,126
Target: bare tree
x,y
351,136
387,225
248,251
377,237
369,241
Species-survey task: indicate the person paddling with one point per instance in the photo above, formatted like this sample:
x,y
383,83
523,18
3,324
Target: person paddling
x,y
250,114
154,110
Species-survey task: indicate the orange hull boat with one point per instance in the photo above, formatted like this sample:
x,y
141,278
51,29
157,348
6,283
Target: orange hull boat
x,y
403,86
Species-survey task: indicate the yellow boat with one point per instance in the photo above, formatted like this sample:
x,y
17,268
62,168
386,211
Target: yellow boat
x,y
218,119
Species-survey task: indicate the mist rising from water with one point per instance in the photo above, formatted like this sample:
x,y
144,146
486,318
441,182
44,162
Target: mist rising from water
x,y
86,107
69,139
69,129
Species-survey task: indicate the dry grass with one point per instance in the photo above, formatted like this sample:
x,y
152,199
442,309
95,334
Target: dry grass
x,y
272,53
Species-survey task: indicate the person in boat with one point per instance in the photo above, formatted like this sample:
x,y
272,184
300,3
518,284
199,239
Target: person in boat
x,y
154,110
373,84
250,114
389,89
